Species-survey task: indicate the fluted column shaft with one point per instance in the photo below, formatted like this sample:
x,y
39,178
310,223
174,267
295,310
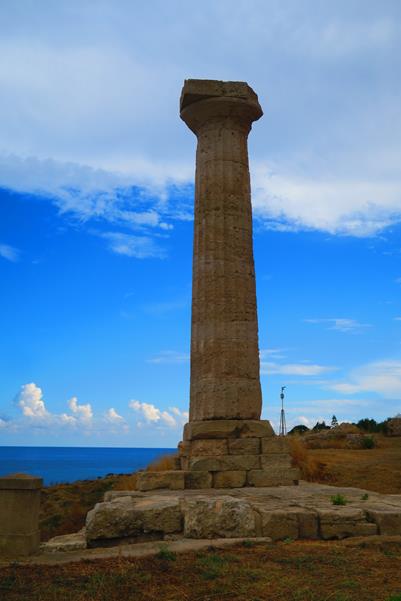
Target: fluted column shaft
x,y
225,382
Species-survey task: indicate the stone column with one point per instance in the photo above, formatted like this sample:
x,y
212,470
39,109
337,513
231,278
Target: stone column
x,y
225,381
225,443
19,514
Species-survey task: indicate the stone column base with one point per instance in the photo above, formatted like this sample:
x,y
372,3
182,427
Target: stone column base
x,y
19,514
19,544
226,454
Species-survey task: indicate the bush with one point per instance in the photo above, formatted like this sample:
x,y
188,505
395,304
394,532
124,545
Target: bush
x,y
338,500
368,442
165,554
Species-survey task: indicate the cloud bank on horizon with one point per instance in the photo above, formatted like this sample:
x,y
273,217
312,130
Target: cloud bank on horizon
x,y
90,109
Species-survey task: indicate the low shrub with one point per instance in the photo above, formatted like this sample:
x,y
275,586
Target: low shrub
x,y
338,500
165,554
368,442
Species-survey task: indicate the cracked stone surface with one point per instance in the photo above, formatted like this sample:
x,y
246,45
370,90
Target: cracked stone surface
x,y
304,511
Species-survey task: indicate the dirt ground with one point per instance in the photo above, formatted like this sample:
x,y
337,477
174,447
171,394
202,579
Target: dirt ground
x,y
377,469
287,571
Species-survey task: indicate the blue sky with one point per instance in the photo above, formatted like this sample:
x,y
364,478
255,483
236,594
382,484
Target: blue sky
x,y
96,201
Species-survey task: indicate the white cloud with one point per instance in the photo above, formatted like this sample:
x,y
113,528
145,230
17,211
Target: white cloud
x,y
68,420
154,415
168,419
9,252
113,416
272,353
334,133
81,419
340,324
169,357
140,247
397,318
31,401
182,416
150,412
380,377
354,208
115,419
83,412
293,369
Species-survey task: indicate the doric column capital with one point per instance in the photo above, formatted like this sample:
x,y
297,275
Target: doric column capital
x,y
205,101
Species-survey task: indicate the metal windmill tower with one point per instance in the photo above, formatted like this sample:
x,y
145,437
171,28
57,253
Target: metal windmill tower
x,y
283,426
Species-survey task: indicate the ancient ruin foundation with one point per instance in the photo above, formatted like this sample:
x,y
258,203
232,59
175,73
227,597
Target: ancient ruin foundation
x,y
226,444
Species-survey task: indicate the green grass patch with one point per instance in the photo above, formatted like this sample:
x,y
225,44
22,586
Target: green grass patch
x,y
338,500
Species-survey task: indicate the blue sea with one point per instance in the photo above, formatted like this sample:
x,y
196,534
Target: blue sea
x,y
67,464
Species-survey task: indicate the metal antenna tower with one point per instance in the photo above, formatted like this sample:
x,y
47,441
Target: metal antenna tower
x,y
283,426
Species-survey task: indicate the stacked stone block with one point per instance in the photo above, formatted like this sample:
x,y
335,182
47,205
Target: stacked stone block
x,y
226,454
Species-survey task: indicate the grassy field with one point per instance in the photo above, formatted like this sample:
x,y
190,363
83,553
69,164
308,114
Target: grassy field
x,y
292,571
377,469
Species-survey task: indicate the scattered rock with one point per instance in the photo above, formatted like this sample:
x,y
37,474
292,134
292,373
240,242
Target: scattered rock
x,y
66,542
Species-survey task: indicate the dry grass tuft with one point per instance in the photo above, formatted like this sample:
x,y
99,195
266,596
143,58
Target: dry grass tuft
x,y
162,464
127,482
312,470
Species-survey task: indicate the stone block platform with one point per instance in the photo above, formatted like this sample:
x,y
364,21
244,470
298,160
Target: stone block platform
x,y
296,512
226,454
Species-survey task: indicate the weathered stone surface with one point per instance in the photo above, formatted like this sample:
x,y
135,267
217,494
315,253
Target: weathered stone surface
x,y
224,463
184,448
273,477
203,89
308,523
197,479
225,381
344,522
218,517
275,461
275,444
65,543
209,447
387,520
129,517
229,479
19,514
279,524
184,463
244,446
173,480
227,428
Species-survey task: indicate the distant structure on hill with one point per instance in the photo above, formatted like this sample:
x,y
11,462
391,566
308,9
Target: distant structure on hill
x,y
283,425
